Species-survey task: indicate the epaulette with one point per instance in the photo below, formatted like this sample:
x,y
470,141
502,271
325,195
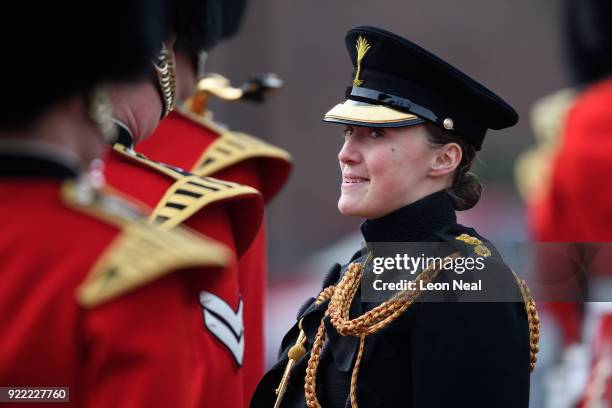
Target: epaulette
x,y
476,245
190,194
466,241
230,148
479,248
141,253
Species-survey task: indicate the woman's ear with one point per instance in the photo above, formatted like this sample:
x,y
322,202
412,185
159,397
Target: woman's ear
x,y
445,160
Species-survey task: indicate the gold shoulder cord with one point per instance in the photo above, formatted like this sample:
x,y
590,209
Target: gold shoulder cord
x,y
342,296
533,320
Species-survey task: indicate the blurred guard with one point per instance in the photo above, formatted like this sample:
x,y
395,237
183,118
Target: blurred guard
x,y
190,139
569,200
225,211
92,297
577,202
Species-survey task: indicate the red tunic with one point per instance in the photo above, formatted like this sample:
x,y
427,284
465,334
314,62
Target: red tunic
x,y
192,142
95,299
227,212
579,174
577,207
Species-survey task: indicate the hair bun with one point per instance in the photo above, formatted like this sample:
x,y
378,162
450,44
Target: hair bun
x,y
465,192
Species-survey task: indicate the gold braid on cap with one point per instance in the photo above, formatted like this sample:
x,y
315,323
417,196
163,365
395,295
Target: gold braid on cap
x,y
368,323
166,78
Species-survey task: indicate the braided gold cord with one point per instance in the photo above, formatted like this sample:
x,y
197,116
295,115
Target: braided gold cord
x,y
534,327
355,373
533,321
310,381
362,326
377,318
325,294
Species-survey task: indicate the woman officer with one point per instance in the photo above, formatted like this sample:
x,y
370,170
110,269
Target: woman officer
x,y
413,124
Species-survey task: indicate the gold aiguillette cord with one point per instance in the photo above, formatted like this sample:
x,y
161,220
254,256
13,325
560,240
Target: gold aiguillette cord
x,y
296,352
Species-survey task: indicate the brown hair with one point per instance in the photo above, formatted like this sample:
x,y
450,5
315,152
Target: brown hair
x,y
465,190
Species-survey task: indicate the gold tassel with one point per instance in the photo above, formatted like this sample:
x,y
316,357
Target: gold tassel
x,y
296,352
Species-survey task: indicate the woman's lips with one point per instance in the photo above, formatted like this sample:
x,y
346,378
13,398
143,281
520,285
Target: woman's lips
x,y
352,180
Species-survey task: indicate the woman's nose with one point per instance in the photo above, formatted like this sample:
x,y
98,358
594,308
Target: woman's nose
x,y
349,154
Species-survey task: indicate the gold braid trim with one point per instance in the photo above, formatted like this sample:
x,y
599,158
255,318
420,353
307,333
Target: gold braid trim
x,y
355,372
311,369
533,320
325,294
362,326
310,381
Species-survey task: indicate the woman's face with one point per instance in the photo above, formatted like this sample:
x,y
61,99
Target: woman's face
x,y
384,169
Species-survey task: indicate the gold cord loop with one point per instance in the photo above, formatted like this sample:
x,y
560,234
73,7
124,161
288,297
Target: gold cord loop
x,y
368,323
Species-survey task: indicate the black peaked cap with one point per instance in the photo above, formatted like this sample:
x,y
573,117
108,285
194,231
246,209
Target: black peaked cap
x,y
397,83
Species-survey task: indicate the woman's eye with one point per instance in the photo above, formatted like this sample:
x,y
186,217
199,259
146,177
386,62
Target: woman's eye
x,y
376,133
347,132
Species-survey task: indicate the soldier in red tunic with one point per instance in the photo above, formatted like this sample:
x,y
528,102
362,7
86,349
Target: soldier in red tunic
x,y
580,193
574,205
225,211
190,139
93,298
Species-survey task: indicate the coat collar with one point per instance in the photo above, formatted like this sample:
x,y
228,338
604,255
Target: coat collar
x,y
412,223
23,158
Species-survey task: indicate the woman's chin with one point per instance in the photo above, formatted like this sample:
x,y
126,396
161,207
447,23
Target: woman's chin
x,y
348,207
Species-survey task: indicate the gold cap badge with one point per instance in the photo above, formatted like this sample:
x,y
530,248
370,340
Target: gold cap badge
x,y
363,46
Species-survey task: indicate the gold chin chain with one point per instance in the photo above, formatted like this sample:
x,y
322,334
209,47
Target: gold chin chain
x,y
166,78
